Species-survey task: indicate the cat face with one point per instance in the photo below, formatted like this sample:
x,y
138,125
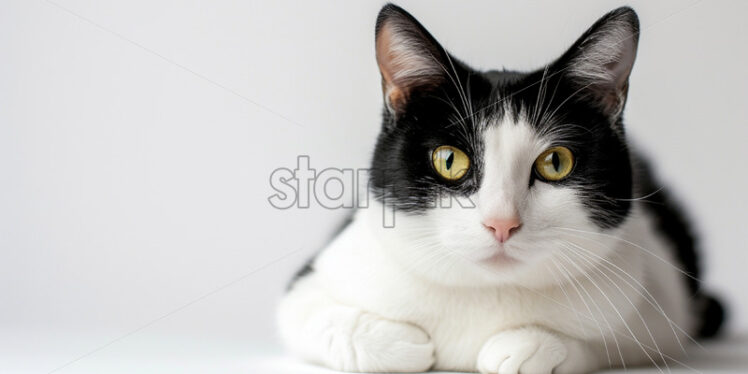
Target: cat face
x,y
493,174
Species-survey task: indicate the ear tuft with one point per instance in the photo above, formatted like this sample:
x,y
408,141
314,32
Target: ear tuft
x,y
407,55
602,59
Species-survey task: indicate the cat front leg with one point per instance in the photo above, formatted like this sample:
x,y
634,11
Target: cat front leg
x,y
535,350
350,339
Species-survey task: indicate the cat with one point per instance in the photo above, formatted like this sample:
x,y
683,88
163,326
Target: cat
x,y
528,236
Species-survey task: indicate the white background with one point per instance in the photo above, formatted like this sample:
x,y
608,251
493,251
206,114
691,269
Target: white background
x,y
137,139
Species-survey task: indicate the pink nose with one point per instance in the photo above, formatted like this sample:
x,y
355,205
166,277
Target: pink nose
x,y
502,228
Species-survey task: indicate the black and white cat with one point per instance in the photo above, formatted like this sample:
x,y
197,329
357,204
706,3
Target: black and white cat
x,y
528,238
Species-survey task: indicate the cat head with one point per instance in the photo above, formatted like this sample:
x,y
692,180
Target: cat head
x,y
492,175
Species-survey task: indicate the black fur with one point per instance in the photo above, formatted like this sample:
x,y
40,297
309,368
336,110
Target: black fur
x,y
713,316
672,222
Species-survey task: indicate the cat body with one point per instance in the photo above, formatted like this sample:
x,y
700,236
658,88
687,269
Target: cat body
x,y
357,276
540,254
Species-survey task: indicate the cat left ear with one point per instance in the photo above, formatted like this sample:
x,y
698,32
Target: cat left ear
x,y
601,60
409,58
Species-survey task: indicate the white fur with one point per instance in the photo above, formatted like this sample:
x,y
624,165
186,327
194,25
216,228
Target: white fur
x,y
423,295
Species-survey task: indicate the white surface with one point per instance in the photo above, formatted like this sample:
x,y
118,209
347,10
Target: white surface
x,y
134,158
154,353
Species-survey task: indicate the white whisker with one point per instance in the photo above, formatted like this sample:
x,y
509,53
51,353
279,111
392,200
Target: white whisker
x,y
633,305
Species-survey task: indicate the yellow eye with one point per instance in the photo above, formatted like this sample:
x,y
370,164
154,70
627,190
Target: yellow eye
x,y
450,162
555,163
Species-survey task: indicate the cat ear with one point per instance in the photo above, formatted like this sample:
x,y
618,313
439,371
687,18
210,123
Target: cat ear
x,y
601,60
409,58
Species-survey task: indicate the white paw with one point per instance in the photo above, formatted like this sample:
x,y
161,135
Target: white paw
x,y
527,350
379,345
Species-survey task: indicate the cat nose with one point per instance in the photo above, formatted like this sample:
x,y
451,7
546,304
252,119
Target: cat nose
x,y
502,228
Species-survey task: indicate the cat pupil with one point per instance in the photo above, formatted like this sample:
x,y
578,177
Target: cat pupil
x,y
555,160
450,160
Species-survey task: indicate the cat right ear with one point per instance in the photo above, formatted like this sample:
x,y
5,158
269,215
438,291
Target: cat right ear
x,y
409,58
601,60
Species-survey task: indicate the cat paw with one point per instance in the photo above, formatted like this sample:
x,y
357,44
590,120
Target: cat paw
x,y
378,345
527,350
